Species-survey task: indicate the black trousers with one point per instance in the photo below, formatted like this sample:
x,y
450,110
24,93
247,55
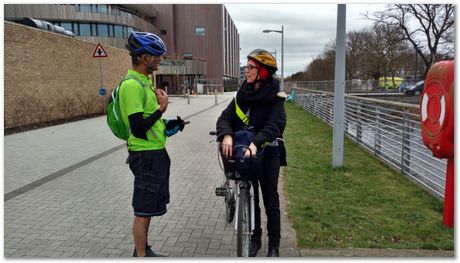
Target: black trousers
x,y
268,183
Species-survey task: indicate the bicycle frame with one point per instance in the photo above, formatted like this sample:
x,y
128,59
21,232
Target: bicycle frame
x,y
234,188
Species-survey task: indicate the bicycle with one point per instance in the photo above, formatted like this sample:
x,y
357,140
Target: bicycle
x,y
238,191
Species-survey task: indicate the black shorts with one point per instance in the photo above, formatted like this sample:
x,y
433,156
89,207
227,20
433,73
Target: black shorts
x,y
151,181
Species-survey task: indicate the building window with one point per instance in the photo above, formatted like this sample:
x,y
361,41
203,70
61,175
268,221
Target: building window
x,y
84,8
102,30
130,29
93,8
104,9
124,13
67,26
93,29
85,29
200,31
111,33
118,31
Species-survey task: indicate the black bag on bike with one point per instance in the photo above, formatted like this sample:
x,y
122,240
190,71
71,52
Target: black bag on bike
x,y
239,167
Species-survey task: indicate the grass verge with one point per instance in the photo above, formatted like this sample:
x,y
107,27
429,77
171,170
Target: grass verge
x,y
364,204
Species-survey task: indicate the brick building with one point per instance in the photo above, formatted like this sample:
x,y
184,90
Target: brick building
x,y
201,39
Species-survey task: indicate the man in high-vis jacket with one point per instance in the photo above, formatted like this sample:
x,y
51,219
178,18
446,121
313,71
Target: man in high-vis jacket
x,y
142,108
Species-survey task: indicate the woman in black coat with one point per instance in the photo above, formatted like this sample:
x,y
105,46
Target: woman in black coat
x,y
261,101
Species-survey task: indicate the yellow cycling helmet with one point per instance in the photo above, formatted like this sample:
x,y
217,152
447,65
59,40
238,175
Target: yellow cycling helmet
x,y
265,58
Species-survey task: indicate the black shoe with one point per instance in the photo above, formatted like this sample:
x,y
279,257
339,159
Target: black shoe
x,y
148,252
273,252
256,244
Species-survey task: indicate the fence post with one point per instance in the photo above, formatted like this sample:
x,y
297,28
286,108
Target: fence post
x,y
306,100
359,124
215,95
313,104
319,107
405,150
377,135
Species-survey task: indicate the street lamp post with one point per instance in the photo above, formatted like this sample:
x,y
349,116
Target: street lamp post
x,y
275,54
282,52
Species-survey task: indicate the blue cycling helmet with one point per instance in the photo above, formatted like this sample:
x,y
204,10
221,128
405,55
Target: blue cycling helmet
x,y
145,43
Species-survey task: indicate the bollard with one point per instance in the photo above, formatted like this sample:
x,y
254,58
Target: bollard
x,y
188,96
215,95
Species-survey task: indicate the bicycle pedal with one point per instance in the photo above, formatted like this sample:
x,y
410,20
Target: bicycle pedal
x,y
220,191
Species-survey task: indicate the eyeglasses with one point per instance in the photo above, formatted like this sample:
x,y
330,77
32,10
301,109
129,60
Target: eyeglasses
x,y
249,67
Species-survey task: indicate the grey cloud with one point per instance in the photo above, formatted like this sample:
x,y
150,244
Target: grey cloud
x,y
307,29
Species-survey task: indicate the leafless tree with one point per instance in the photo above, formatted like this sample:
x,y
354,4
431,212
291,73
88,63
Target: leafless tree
x,y
322,67
354,55
429,28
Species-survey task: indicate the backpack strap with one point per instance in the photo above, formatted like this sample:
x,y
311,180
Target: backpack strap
x,y
241,114
138,81
145,96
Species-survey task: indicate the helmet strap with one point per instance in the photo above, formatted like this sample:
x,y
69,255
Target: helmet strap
x,y
149,64
258,77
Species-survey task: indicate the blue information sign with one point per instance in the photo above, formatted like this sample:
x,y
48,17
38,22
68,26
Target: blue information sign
x,y
102,92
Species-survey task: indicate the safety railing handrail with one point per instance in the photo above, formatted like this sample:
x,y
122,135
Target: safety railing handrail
x,y
384,102
390,130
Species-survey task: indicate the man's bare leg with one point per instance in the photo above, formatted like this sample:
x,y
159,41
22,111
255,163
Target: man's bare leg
x,y
140,232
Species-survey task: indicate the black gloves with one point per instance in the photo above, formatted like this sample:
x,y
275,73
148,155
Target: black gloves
x,y
174,125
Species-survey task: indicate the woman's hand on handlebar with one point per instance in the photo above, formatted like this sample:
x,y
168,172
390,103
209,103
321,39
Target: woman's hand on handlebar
x,y
227,146
253,148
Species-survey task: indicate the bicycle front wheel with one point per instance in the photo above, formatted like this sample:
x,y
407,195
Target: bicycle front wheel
x,y
229,202
243,232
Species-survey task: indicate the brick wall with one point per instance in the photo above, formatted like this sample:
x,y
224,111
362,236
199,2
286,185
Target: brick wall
x,y
49,77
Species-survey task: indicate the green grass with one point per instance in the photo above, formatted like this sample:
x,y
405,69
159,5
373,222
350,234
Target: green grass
x,y
364,204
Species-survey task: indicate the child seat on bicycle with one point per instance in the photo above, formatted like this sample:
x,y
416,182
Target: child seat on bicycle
x,y
238,166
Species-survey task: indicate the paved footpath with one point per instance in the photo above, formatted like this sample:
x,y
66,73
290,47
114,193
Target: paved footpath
x,y
67,193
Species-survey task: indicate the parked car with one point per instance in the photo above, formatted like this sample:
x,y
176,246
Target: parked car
x,y
403,86
415,89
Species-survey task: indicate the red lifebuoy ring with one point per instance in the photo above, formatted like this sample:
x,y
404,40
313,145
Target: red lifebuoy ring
x,y
437,109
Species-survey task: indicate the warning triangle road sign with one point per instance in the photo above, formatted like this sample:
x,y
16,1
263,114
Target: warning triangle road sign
x,y
99,52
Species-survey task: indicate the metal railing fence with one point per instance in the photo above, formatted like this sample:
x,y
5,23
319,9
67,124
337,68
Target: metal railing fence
x,y
391,131
351,86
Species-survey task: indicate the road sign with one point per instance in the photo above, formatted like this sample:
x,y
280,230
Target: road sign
x,y
102,92
99,52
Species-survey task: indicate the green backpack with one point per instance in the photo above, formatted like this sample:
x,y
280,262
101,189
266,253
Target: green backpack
x,y
114,120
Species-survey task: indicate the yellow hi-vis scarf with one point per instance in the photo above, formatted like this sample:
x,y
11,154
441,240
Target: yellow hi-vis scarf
x,y
241,114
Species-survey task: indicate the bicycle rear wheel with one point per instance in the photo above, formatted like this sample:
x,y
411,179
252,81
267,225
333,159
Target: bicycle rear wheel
x,y
243,233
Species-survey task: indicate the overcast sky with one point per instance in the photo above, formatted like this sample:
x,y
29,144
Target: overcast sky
x,y
307,29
